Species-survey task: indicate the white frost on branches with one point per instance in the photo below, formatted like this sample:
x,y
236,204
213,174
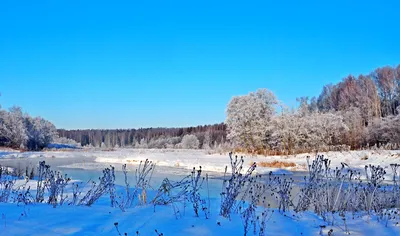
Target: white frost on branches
x,y
248,117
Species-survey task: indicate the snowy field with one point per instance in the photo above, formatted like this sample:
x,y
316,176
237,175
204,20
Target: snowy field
x,y
101,219
44,220
187,159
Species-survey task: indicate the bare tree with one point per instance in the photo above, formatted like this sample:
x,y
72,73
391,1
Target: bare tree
x,y
387,86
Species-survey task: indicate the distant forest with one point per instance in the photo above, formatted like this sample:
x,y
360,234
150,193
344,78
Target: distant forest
x,y
208,136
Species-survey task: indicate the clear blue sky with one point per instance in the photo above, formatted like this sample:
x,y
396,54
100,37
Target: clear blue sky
x,y
130,64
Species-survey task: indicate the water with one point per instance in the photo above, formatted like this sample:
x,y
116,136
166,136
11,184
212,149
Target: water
x,y
85,169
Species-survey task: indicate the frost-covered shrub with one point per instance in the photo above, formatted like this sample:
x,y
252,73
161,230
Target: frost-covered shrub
x,y
386,130
106,185
9,192
56,188
196,183
43,172
160,142
6,188
190,141
187,189
66,141
170,192
23,194
52,181
143,175
141,144
315,131
329,191
234,185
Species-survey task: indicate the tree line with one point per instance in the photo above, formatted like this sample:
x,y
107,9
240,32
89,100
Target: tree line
x,y
358,112
206,136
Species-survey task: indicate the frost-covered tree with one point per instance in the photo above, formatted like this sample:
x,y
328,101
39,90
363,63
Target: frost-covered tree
x,y
356,135
40,132
385,130
190,141
207,140
248,117
285,131
294,131
12,128
19,130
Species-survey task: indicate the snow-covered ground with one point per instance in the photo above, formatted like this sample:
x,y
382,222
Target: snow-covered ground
x,y
99,219
217,162
44,220
187,159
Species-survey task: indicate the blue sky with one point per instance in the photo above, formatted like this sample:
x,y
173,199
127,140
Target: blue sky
x,y
130,64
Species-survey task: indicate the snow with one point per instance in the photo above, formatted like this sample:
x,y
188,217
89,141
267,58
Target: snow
x,y
212,162
42,219
99,219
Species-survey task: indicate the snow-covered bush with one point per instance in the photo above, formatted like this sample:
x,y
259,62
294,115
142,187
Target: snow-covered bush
x,y
141,144
66,141
234,185
56,188
386,130
196,183
190,141
52,181
6,188
106,185
143,175
291,132
329,191
171,193
162,142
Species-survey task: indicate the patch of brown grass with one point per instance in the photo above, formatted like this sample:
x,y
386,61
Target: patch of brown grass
x,y
276,164
132,161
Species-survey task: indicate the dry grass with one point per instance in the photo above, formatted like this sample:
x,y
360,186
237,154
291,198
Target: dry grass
x,y
276,164
132,161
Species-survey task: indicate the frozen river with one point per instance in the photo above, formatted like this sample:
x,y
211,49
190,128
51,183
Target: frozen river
x,y
85,168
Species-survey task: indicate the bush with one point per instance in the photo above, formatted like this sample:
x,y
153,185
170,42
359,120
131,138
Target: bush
x,y
190,141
